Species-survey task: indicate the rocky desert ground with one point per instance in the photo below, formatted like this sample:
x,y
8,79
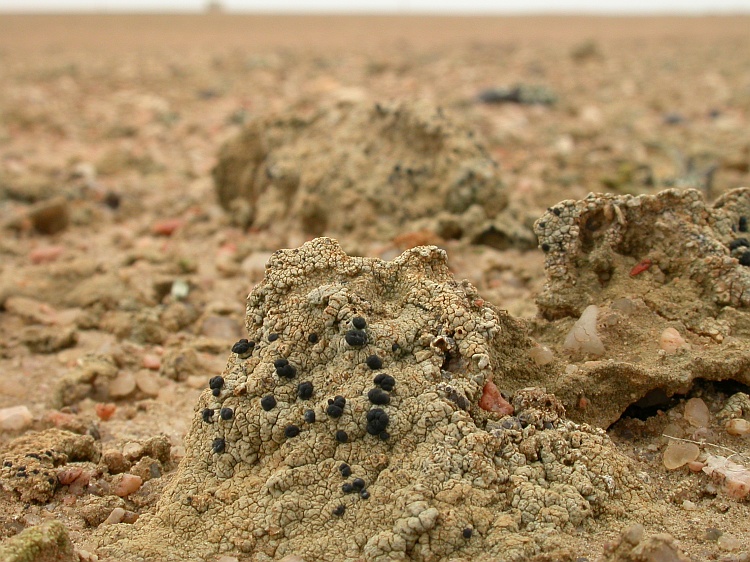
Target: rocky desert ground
x,y
152,165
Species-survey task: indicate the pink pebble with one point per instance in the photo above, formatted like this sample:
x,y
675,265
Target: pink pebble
x,y
166,227
45,254
151,362
127,484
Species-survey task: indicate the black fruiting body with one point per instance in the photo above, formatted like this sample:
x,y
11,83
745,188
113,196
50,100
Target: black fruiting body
x,y
218,445
467,532
305,390
341,436
358,484
291,431
207,414
374,362
312,338
273,337
243,348
745,258
309,416
334,411
356,338
743,224
345,470
359,323
339,511
377,421
226,413
364,494
284,368
386,382
268,402
738,243
216,382
347,487
378,396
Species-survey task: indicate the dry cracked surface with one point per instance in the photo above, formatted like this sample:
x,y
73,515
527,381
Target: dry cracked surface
x,y
347,426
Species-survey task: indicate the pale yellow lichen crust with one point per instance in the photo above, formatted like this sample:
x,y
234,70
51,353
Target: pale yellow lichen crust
x,y
450,481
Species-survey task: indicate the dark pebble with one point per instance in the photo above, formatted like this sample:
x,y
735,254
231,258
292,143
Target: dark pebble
x,y
468,531
364,494
341,436
268,402
218,445
745,258
305,390
309,416
291,431
374,362
226,413
378,396
207,414
339,511
359,323
216,382
345,470
356,338
312,338
273,337
334,411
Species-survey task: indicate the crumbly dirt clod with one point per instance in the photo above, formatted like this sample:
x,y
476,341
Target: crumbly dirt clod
x,y
648,262
48,542
432,462
367,172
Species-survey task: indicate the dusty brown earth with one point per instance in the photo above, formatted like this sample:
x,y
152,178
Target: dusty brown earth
x,y
123,280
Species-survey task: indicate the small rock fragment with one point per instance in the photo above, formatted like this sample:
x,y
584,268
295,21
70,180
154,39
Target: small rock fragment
x,y
583,336
126,484
148,382
679,453
122,385
738,426
696,413
48,542
15,418
729,542
541,355
105,411
50,217
492,400
671,341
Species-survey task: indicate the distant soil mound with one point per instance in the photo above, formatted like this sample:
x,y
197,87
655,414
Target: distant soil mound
x,y
366,172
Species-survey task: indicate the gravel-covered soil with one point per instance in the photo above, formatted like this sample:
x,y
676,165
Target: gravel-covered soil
x,y
124,272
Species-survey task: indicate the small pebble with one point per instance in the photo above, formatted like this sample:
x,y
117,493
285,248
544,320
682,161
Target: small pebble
x,y
359,323
149,383
291,431
152,362
15,418
116,516
105,411
166,227
729,542
341,436
122,385
374,362
679,453
738,426
268,402
687,505
226,413
126,484
305,390
309,416
696,413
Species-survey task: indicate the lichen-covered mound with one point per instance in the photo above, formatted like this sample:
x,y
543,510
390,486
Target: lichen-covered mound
x,y
365,171
347,426
670,276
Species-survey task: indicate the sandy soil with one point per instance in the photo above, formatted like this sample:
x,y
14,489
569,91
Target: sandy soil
x,y
109,129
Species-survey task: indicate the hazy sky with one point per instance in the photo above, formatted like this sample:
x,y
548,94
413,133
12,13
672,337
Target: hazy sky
x,y
451,6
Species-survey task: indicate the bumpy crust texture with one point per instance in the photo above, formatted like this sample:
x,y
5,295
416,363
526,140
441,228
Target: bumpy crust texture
x,y
441,478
